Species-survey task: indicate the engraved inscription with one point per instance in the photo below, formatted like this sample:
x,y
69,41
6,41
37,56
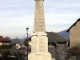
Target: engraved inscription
x,y
39,24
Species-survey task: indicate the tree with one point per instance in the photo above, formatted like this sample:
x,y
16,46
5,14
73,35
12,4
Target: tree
x,y
16,40
26,41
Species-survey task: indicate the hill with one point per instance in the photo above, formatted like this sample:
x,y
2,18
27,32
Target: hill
x,y
64,34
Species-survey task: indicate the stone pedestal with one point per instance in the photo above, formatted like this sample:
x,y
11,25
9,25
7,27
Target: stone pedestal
x,y
39,56
39,47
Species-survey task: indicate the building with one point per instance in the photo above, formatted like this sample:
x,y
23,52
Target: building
x,y
4,42
74,31
57,45
55,39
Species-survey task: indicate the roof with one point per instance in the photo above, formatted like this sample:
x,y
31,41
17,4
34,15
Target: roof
x,y
6,39
55,37
73,25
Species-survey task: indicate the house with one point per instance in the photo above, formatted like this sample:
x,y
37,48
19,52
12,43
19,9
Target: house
x,y
4,42
57,45
74,31
55,39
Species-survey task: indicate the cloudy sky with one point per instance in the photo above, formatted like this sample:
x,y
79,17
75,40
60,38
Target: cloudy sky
x,y
16,15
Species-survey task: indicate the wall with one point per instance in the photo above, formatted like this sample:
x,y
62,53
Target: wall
x,y
75,35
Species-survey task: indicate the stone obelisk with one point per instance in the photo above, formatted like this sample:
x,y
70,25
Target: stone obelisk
x,y
39,40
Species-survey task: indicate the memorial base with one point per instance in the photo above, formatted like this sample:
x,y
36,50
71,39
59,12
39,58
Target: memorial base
x,y
39,56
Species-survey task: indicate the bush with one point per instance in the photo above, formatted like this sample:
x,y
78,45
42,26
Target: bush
x,y
11,54
75,51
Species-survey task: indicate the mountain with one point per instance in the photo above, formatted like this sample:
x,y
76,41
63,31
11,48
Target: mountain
x,y
64,34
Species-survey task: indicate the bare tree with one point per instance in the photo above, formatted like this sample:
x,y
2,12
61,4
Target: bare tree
x,y
75,51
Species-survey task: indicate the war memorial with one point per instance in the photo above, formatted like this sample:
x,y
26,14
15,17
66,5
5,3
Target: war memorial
x,y
39,40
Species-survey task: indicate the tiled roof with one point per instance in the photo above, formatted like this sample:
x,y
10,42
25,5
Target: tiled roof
x,y
4,39
55,37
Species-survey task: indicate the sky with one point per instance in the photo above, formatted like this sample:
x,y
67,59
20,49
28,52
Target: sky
x,y
17,15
